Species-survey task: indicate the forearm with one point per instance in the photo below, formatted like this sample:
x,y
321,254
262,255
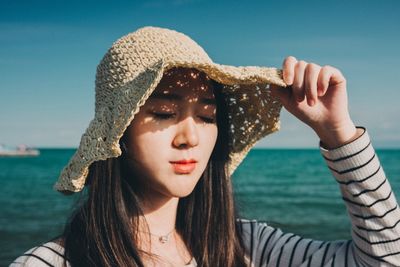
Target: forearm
x,y
371,204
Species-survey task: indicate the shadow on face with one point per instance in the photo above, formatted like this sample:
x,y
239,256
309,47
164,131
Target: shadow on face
x,y
182,92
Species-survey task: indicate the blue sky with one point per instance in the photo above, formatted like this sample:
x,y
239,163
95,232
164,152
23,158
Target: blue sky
x,y
49,51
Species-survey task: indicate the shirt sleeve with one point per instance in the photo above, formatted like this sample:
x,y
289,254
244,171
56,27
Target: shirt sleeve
x,y
371,206
45,255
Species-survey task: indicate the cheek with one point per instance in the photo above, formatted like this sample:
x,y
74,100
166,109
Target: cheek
x,y
209,139
148,146
148,159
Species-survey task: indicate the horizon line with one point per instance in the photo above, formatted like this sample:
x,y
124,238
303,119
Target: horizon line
x,y
256,148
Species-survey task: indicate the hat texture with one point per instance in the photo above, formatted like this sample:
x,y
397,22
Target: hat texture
x,y
130,71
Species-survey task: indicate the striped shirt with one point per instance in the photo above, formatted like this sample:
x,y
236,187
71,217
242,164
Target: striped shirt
x,y
371,206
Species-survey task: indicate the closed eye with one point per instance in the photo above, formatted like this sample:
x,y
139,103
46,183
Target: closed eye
x,y
207,120
163,116
166,116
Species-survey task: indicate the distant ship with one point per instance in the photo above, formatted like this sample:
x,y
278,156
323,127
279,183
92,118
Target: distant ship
x,y
18,151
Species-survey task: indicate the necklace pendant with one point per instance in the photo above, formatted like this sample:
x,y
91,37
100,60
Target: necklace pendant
x,y
163,239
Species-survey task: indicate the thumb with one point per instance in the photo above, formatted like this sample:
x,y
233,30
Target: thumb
x,y
282,93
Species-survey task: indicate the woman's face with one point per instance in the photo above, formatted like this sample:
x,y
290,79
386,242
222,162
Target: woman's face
x,y
177,123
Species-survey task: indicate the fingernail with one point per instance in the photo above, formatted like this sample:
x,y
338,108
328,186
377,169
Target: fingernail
x,y
311,102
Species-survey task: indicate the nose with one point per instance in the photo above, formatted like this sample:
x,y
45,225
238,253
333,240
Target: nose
x,y
187,133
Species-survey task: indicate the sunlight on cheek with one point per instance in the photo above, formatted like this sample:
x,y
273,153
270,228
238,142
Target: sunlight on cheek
x,y
148,119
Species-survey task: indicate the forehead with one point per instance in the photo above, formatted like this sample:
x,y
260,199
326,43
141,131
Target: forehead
x,y
185,81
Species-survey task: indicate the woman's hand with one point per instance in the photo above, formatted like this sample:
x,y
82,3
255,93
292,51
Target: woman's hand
x,y
317,96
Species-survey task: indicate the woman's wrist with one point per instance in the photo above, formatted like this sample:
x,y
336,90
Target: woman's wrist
x,y
334,138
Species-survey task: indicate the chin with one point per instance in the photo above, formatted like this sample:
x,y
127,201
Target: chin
x,y
183,186
182,190
181,193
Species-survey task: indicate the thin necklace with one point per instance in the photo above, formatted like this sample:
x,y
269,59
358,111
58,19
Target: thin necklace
x,y
162,238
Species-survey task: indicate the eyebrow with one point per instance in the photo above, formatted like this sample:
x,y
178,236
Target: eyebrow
x,y
176,97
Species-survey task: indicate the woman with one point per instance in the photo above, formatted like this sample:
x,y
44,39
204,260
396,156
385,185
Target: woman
x,y
171,127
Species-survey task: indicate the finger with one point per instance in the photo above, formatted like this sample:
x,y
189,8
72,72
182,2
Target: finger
x,y
310,82
329,76
298,81
337,77
323,81
282,93
288,69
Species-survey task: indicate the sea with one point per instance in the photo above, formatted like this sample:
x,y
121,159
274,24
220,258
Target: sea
x,y
291,189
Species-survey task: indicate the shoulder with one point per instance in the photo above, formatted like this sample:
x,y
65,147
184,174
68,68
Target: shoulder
x,y
258,238
46,254
251,225
253,230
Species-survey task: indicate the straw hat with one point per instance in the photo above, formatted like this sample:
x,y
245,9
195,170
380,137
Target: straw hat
x,y
131,70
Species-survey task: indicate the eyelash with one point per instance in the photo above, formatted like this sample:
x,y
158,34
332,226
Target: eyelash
x,y
166,116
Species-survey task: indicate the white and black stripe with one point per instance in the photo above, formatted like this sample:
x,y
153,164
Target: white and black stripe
x,y
372,208
49,254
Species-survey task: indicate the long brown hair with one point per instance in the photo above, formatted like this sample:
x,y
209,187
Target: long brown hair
x,y
102,231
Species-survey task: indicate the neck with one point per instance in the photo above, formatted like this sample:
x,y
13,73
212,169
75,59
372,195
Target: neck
x,y
160,217
159,214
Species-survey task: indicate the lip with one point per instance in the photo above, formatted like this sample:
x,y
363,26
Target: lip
x,y
184,161
184,166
